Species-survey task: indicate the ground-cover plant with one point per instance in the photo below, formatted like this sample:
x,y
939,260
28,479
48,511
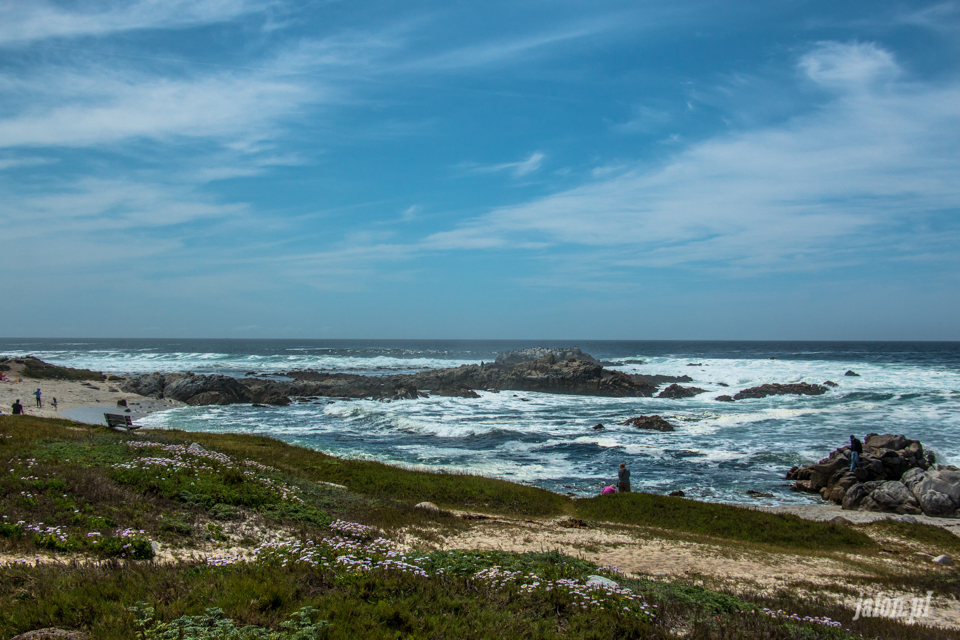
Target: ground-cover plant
x,y
213,626
723,521
377,480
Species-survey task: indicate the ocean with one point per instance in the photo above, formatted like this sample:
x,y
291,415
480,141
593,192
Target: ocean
x,y
718,451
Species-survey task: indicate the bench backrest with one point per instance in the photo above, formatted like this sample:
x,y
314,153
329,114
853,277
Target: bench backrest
x,y
118,420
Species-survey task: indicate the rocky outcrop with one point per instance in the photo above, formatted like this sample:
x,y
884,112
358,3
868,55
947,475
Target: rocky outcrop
x,y
546,375
191,389
574,377
654,422
894,475
676,391
776,389
510,358
724,398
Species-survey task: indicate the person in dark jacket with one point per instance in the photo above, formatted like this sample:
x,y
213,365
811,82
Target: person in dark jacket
x,y
623,478
17,408
856,449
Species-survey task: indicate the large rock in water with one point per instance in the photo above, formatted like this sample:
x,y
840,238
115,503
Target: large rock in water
x,y
776,389
675,391
574,377
654,422
509,358
893,476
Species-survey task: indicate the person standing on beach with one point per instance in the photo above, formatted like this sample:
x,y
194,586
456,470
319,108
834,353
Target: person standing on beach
x,y
856,448
17,408
54,404
623,478
37,393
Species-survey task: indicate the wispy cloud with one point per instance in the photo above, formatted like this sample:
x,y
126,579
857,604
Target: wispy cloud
x,y
850,178
518,169
38,19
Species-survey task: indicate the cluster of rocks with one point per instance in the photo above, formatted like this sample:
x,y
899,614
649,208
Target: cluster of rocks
x,y
894,475
548,374
563,371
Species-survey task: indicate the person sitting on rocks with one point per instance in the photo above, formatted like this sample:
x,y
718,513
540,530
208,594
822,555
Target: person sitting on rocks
x,y
623,478
856,448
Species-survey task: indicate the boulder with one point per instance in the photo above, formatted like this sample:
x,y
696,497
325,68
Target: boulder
x,y
677,494
830,383
676,391
937,490
598,426
427,506
886,441
654,422
776,389
944,560
855,495
852,374
724,398
891,497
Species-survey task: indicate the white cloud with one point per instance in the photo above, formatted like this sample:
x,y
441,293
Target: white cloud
x,y
14,163
816,190
847,66
38,19
519,168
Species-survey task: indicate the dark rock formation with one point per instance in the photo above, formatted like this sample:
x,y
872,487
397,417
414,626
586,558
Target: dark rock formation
x,y
654,422
462,392
546,375
677,494
574,377
598,426
893,476
676,391
852,373
753,493
510,358
724,398
830,383
776,389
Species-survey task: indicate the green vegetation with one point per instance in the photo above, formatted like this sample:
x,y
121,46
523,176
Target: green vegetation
x,y
38,369
722,521
935,537
381,481
108,495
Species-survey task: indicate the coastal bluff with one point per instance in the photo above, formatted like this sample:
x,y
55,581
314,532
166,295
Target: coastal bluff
x,y
547,374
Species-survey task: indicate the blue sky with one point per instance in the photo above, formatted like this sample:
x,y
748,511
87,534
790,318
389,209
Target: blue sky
x,y
634,170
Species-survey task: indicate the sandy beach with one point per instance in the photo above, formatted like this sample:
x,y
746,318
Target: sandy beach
x,y
97,397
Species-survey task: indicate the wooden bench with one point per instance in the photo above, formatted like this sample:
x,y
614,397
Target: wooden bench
x,y
120,421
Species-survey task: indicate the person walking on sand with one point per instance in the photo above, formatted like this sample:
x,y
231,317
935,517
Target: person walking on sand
x,y
54,404
17,408
856,449
623,478
37,393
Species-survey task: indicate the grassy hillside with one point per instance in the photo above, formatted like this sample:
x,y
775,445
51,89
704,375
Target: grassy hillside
x,y
317,561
